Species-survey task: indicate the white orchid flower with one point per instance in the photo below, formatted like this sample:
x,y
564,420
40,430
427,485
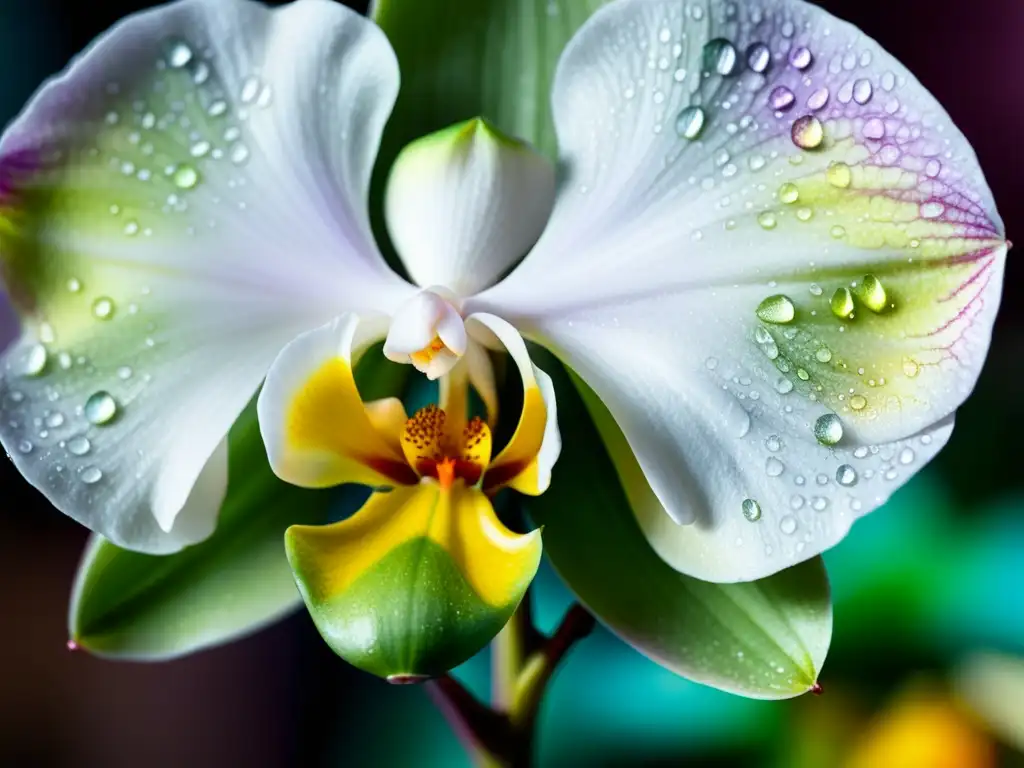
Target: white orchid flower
x,y
771,256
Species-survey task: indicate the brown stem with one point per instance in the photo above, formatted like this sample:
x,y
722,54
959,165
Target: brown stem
x,y
504,735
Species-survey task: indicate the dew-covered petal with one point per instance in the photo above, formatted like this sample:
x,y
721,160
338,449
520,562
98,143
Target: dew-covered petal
x,y
465,203
185,199
315,427
417,581
736,256
526,461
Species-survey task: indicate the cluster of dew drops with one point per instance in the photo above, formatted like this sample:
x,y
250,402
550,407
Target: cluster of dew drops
x,y
101,408
722,57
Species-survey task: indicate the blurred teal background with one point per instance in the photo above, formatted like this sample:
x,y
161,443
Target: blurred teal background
x,y
921,586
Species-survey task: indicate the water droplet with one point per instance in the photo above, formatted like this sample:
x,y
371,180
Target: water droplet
x,y
838,232
711,363
239,154
179,55
828,429
91,475
781,98
858,402
788,193
783,386
910,368
861,452
872,293
776,309
874,128
103,308
250,90
100,408
74,285
186,177
862,91
797,502
907,456
33,361
804,214
751,510
802,374
846,475
788,525
819,503
839,175
55,420
808,132
201,149
124,373
131,228
801,57
773,467
818,99
201,73
79,446
823,355
690,122
24,447
217,108
758,57
932,210
842,303
767,220
720,56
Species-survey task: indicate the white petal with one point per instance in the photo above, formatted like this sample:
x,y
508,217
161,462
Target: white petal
x,y
526,461
427,332
188,197
688,269
464,204
314,424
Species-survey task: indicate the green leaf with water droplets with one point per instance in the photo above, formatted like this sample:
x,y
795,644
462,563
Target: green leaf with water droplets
x,y
763,639
136,606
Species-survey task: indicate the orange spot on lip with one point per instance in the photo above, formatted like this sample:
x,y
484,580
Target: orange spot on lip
x,y
446,473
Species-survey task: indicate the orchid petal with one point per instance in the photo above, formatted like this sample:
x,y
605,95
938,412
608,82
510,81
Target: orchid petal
x,y
417,581
316,429
526,462
770,234
464,204
188,197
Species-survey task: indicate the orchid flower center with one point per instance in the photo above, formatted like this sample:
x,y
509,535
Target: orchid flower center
x,y
427,332
439,447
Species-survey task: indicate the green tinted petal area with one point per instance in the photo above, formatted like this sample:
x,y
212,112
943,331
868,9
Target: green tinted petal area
x,y
171,215
416,582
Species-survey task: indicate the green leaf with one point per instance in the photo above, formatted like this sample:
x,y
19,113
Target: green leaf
x,y
129,605
764,639
489,58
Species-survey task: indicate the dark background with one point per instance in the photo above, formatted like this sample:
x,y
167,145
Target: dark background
x,y
280,698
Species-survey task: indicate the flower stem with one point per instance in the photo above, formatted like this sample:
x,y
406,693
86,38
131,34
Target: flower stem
x,y
523,662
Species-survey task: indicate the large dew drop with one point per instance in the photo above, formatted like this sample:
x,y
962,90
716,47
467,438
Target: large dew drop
x,y
720,56
690,122
872,293
91,475
100,408
776,309
186,177
751,510
828,429
846,475
842,303
808,132
839,175
34,360
758,57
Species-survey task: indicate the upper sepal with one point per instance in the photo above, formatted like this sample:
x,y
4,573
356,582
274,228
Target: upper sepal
x,y
463,204
416,582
